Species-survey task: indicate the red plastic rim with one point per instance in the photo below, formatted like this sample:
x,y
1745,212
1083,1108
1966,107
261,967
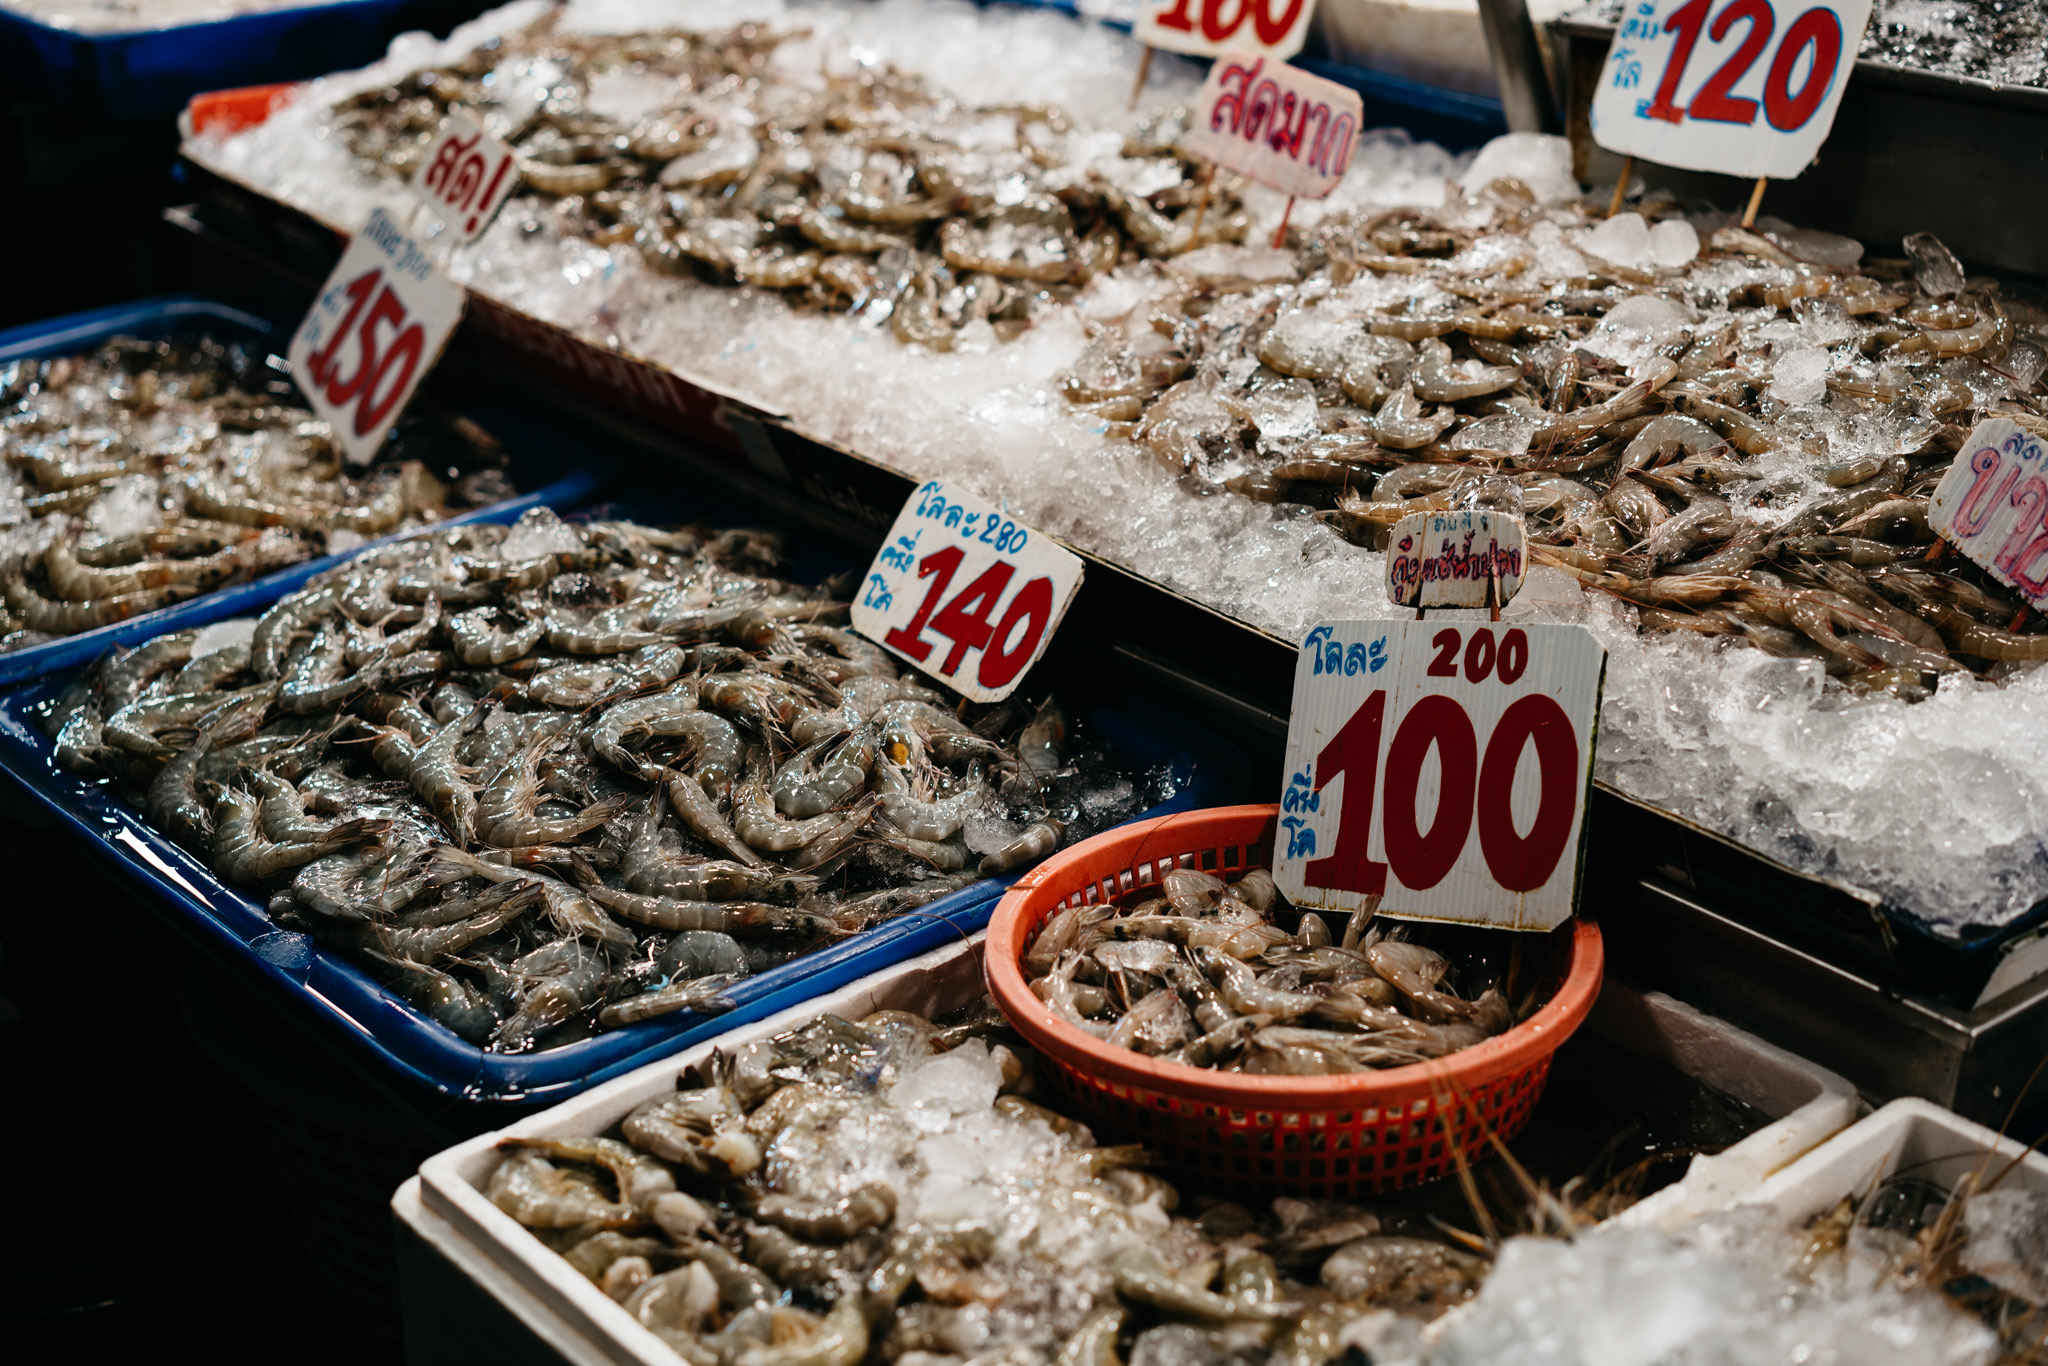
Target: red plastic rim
x,y
224,112
1251,1119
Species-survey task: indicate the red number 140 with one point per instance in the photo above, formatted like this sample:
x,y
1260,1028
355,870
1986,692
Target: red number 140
x,y
969,619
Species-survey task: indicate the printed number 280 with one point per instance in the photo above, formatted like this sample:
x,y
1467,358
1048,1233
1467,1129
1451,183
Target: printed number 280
x,y
969,620
1819,28
1473,788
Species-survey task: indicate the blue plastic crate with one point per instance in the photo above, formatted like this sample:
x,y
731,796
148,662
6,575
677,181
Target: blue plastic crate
x,y
545,458
463,1081
149,73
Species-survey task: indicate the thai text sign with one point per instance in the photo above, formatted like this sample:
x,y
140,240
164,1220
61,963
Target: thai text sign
x,y
1471,557
1993,506
1743,87
968,595
373,334
1275,124
1438,771
465,177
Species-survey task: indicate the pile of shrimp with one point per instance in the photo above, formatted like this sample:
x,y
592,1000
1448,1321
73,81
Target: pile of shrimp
x,y
884,1190
1200,972
147,472
559,778
1649,419
870,192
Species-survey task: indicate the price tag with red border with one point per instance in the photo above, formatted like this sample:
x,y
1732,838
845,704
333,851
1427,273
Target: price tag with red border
x,y
1275,124
465,177
1203,28
1742,87
970,596
1439,770
1993,506
377,328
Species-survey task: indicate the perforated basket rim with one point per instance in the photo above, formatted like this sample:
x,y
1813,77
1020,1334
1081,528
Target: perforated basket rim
x,y
1033,898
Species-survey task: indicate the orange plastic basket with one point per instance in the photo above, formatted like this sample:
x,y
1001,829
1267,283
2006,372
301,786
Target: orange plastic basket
x,y
1357,1134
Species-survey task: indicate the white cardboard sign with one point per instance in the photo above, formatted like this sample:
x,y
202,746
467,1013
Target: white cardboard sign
x,y
1203,28
1275,124
1441,767
1993,506
465,177
1470,557
966,594
377,328
1742,87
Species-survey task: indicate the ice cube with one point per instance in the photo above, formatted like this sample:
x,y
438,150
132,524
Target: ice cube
x,y
539,532
964,1081
127,505
1639,327
1541,161
1673,243
2006,1240
221,635
1175,1344
1800,377
1623,240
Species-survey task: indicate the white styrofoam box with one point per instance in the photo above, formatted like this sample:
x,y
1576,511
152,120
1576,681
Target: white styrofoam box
x,y
1805,1103
451,1183
461,1305
1934,1144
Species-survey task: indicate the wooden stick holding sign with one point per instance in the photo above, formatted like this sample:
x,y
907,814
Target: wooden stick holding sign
x,y
1275,124
1739,87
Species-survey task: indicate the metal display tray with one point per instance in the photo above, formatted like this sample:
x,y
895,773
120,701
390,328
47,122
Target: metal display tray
x,y
1911,151
1237,676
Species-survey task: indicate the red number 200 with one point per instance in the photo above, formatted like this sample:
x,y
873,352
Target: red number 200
x,y
1474,788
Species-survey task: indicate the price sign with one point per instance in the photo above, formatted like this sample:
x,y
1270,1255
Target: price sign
x,y
1276,124
1440,768
1472,557
1993,506
377,328
465,177
1743,87
968,595
1203,28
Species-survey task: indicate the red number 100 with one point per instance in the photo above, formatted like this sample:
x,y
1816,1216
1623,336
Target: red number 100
x,y
1473,789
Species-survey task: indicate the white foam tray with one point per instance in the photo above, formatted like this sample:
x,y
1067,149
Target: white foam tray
x,y
446,1206
1916,1136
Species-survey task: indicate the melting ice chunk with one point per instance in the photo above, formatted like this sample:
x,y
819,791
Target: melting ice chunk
x,y
1541,161
1673,243
539,532
961,1082
1800,376
1623,240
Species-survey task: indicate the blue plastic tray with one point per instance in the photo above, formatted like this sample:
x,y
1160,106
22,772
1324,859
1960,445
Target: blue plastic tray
x,y
151,72
545,459
427,1058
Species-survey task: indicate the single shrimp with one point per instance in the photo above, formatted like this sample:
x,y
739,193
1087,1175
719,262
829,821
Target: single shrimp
x,y
491,635
1038,841
572,912
507,809
439,780
241,852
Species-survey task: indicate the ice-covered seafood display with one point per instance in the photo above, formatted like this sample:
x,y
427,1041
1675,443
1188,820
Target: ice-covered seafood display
x,y
146,472
882,1191
893,1190
1204,973
557,778
1935,809
839,180
1739,435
